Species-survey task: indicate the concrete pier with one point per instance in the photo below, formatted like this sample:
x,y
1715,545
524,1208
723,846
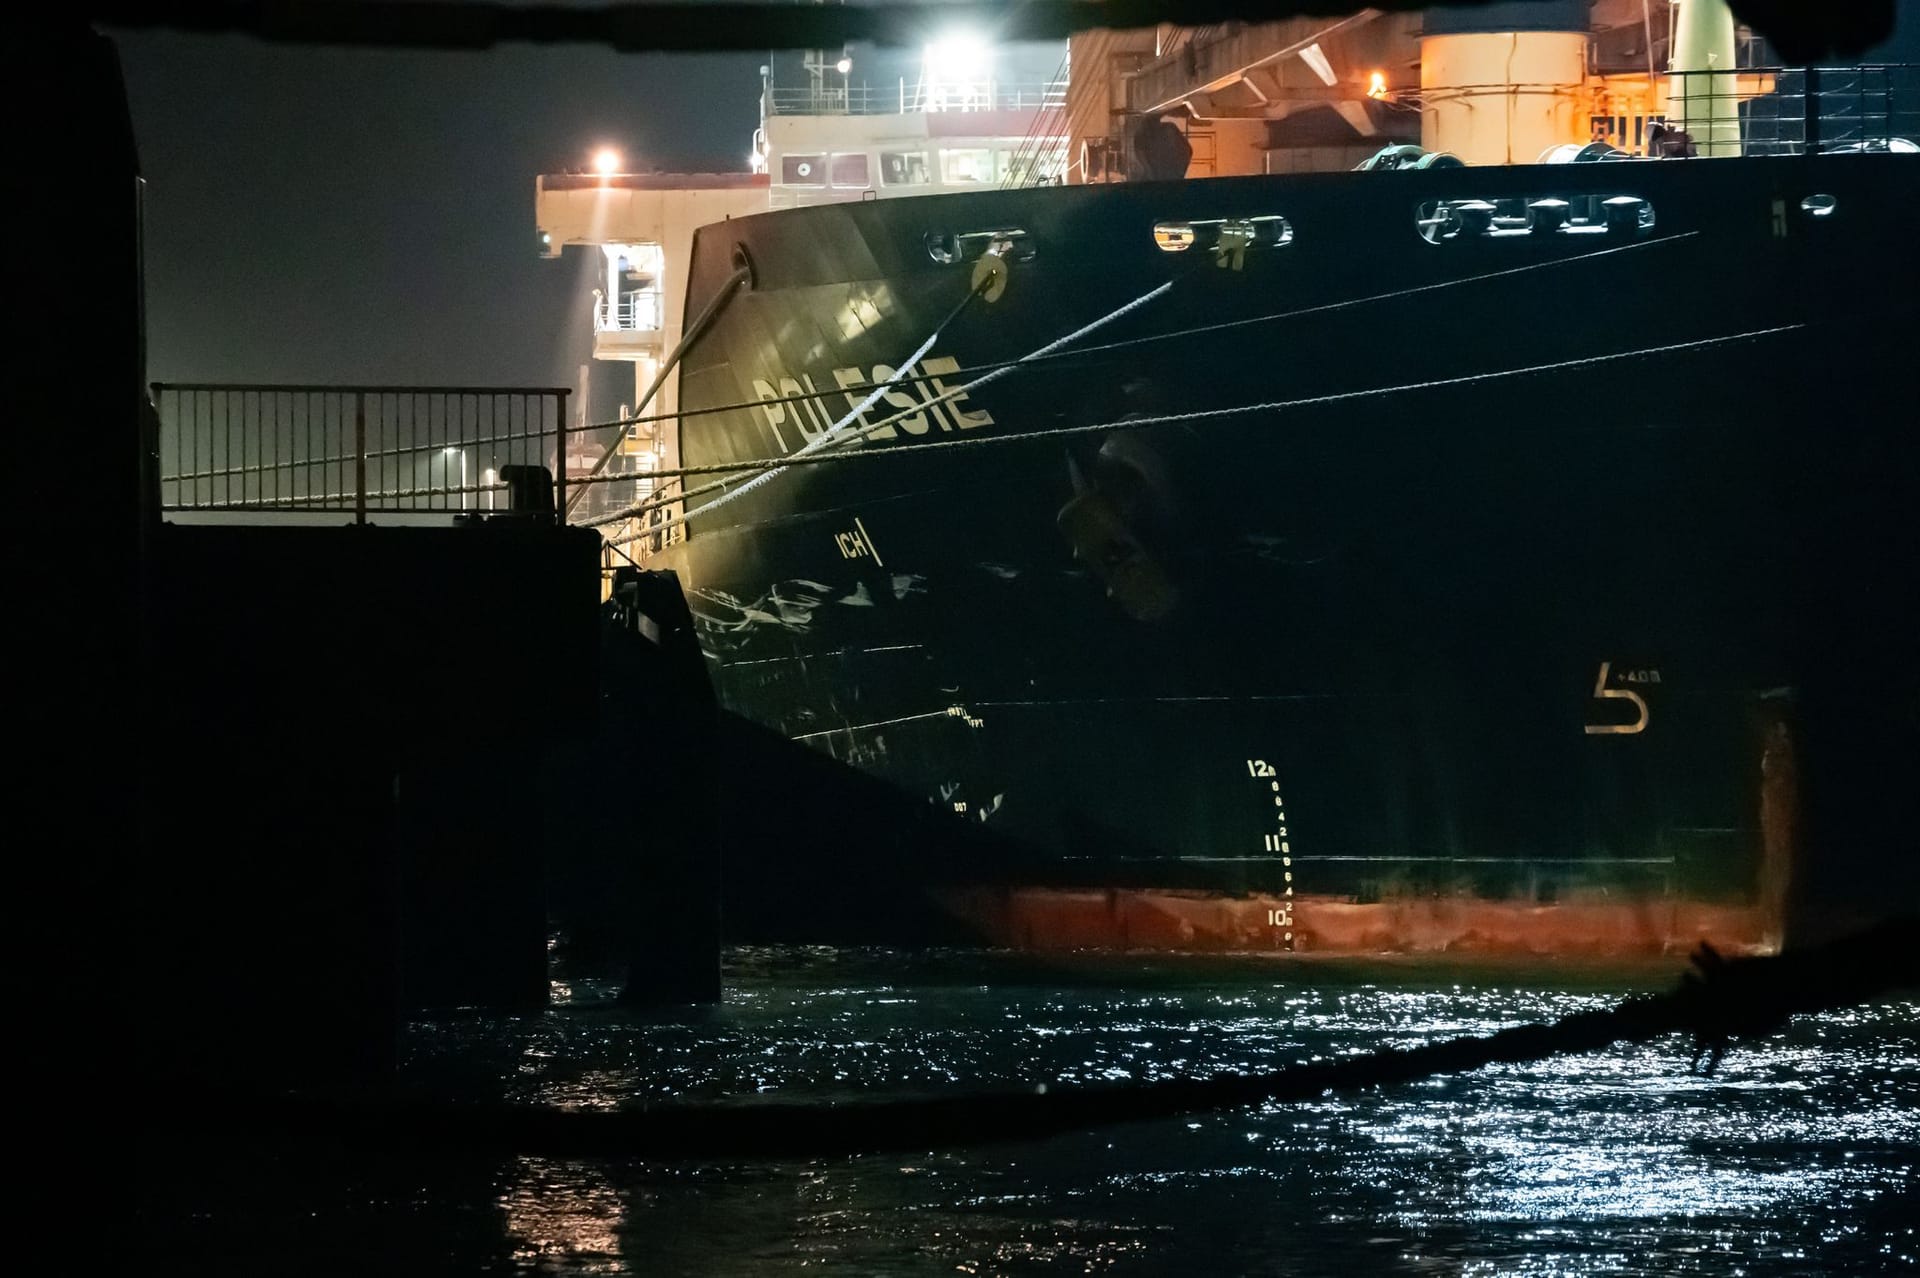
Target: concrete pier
x,y
341,799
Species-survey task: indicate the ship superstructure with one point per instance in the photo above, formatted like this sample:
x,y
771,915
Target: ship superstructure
x,y
1496,83
956,125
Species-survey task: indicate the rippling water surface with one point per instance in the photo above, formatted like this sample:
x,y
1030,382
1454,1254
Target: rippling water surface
x,y
1794,1159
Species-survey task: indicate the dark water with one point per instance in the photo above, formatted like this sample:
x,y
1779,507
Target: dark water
x,y
1797,1159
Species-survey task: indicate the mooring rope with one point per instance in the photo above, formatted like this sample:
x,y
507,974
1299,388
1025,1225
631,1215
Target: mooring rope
x,y
1209,414
695,330
831,435
902,378
769,467
1199,330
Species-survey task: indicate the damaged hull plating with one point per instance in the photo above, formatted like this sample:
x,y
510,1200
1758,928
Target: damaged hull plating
x,y
1496,655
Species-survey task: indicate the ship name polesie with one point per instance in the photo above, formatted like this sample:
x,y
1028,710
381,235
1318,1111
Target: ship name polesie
x,y
797,410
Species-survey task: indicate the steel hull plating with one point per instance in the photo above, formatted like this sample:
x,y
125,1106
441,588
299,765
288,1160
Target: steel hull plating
x,y
1490,637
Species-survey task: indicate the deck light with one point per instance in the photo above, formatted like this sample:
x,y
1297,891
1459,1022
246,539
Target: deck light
x,y
606,161
959,58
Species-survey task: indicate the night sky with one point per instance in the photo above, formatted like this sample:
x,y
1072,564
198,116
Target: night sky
x,y
320,215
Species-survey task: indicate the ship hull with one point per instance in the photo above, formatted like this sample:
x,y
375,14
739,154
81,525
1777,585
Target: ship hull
x,y
1490,637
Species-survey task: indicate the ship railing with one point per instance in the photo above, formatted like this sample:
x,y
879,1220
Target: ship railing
x,y
633,313
353,453
1772,111
907,99
636,540
626,480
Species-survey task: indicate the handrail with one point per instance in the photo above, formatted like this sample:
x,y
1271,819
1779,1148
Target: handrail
x,y
360,450
315,388
635,313
865,99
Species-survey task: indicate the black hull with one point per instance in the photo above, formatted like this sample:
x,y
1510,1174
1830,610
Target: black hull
x,y
1520,661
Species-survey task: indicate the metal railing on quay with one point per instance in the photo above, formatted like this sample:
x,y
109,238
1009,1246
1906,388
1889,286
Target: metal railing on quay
x,y
355,450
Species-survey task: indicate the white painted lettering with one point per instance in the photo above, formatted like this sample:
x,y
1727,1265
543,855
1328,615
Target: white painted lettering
x,y
803,415
825,415
854,377
948,365
915,404
776,413
936,411
913,424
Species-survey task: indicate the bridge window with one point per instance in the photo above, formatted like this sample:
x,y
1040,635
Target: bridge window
x,y
851,170
1028,168
803,170
903,168
967,165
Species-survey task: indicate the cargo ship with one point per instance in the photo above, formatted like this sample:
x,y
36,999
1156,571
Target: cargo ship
x,y
1409,558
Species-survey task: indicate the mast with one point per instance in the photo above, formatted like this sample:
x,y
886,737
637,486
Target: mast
x,y
1702,97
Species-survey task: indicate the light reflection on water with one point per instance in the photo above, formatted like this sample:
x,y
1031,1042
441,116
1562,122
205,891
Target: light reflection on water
x,y
1797,1159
